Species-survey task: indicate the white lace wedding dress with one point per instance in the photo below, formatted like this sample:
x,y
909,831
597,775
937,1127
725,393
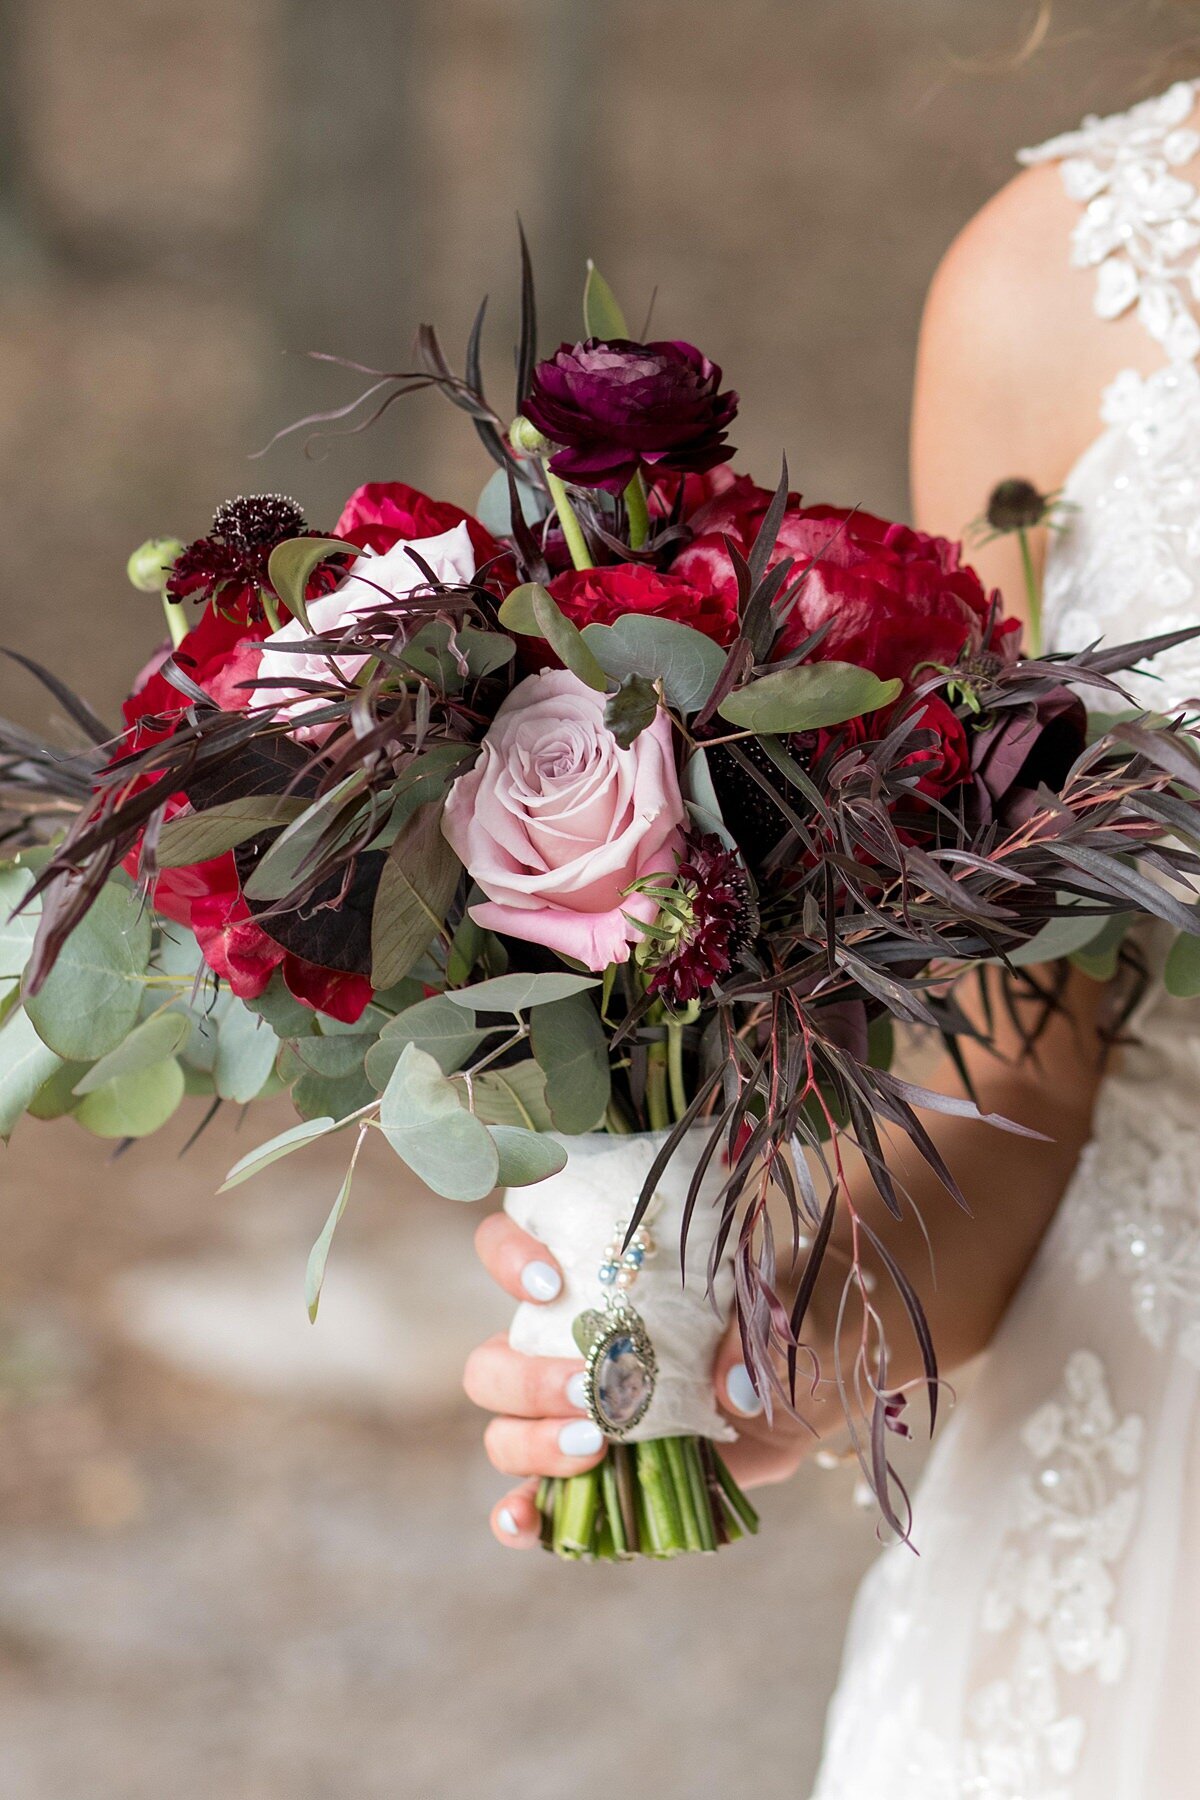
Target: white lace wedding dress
x,y
1045,1644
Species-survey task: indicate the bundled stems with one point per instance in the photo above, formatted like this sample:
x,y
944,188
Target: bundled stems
x,y
664,1498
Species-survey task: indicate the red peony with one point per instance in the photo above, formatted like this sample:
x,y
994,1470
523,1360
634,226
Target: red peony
x,y
598,596
895,597
221,655
381,513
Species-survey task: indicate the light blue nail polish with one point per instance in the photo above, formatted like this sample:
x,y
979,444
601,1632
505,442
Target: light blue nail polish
x,y
541,1281
740,1389
577,1390
507,1523
580,1438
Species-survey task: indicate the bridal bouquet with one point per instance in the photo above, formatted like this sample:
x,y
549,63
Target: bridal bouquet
x,y
587,847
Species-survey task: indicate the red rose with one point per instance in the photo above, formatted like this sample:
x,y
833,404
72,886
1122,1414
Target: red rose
x,y
894,597
379,514
946,763
598,596
221,655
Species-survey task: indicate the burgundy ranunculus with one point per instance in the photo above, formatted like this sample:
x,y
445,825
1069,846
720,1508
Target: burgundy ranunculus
x,y
221,655
598,596
614,407
1028,747
894,597
381,513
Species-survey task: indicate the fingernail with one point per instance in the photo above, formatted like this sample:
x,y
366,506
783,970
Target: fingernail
x,y
580,1438
577,1391
740,1390
507,1523
541,1281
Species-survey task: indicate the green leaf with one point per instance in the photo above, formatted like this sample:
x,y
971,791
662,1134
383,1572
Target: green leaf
x,y
151,1042
426,778
685,661
1099,958
415,889
194,837
531,612
569,1043
512,1096
1061,937
807,697
513,993
287,1016
135,1105
494,507
602,317
526,1156
291,564
57,1097
26,1063
331,1057
283,1145
89,1001
335,1097
282,866
431,1131
246,1052
433,1025
16,934
428,652
318,1256
631,710
1182,975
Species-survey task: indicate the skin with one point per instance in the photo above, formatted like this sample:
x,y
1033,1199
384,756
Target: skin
x,y
1011,362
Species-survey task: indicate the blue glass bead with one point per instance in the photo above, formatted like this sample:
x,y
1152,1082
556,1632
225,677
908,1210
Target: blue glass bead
x,y
608,1273
635,1256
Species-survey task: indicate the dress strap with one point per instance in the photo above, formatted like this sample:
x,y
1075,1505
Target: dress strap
x,y
1140,227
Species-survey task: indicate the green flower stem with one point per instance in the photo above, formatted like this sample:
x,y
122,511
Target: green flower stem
x,y
676,1455
735,1498
613,1515
575,1522
701,1498
656,1087
662,1508
656,1499
572,529
1033,592
638,512
176,619
624,1466
679,1097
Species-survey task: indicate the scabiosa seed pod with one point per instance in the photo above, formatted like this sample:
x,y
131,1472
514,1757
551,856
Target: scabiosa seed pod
x,y
1016,505
228,568
614,407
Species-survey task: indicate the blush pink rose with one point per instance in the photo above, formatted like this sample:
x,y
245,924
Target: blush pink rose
x,y
555,821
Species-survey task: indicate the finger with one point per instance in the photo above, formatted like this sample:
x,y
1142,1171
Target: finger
x,y
736,1393
515,1519
523,1267
503,1380
761,1457
543,1446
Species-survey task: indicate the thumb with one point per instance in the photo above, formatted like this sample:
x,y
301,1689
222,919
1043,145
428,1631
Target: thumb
x,y
732,1379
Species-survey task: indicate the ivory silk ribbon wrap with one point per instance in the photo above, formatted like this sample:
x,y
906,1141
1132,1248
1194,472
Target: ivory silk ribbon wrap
x,y
574,1214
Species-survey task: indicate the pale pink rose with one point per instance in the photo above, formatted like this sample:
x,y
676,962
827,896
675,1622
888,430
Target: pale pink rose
x,y
555,821
373,579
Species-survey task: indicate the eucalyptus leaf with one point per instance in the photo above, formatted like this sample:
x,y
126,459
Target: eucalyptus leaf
x,y
426,778
246,1052
331,1057
432,1132
429,652
807,697
685,661
287,1016
415,890
318,1256
435,1026
494,508
1182,975
532,612
291,564
512,1096
568,1041
151,1042
282,866
293,1139
631,710
16,933
134,1105
513,993
1061,937
26,1064
197,836
332,1096
602,316
526,1156
57,1097
1100,957
89,1001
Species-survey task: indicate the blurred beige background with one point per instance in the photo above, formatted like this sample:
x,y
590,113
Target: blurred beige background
x,y
237,1555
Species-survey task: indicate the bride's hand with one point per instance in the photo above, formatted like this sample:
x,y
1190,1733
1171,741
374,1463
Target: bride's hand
x,y
542,1427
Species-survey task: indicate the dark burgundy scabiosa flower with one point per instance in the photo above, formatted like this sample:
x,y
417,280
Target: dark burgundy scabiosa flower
x,y
707,917
229,566
613,407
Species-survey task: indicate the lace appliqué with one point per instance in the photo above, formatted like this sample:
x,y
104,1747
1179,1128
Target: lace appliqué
x,y
1054,1586
1140,227
1133,1209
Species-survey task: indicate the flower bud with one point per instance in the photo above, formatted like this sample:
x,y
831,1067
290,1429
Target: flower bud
x,y
151,564
526,439
1016,505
